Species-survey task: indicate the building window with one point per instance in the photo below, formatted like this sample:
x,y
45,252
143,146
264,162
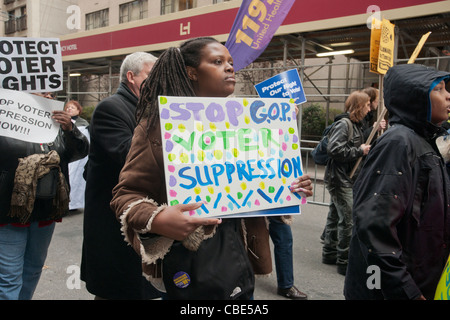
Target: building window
x,y
97,19
10,24
21,22
135,10
168,6
14,23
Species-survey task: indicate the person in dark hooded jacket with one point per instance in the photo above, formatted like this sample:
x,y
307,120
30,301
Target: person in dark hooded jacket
x,y
400,240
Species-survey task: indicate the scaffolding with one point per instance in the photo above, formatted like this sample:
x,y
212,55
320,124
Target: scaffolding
x,y
90,85
327,82
329,91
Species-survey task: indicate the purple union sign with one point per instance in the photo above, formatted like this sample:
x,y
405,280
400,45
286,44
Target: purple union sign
x,y
255,24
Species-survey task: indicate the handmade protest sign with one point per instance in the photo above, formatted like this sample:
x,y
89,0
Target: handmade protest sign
x,y
238,155
443,288
31,64
28,117
284,85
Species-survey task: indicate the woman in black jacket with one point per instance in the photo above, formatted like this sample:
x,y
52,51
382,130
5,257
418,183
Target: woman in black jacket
x,y
27,223
400,241
345,147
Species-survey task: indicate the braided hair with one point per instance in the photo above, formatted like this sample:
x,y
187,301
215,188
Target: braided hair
x,y
169,77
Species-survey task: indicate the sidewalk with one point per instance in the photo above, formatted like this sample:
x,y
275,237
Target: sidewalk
x,y
60,277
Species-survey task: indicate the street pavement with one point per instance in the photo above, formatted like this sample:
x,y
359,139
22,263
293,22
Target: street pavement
x,y
60,276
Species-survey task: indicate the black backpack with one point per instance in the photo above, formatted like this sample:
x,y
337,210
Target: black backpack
x,y
319,153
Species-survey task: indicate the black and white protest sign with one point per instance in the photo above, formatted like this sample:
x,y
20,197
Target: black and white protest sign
x,y
31,64
28,117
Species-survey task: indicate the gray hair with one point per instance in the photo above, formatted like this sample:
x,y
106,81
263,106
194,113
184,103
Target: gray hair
x,y
135,63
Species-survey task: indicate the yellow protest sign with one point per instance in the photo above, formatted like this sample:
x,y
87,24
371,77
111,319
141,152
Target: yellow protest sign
x,y
382,43
387,44
375,44
443,288
419,47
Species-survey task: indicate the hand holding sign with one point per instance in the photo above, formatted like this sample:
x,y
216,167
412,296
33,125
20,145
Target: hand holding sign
x,y
174,224
303,184
63,118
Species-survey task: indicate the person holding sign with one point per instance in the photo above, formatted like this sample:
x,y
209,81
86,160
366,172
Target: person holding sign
x,y
34,194
188,257
401,235
345,146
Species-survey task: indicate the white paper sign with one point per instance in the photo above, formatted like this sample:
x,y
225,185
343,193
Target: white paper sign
x,y
31,64
28,117
238,155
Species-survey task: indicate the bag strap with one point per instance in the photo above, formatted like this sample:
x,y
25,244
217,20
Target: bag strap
x,y
350,125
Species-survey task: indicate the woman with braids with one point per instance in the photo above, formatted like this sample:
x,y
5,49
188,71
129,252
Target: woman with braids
x,y
187,257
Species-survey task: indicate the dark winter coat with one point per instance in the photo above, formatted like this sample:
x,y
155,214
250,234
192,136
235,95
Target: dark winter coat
x,y
401,197
70,146
110,267
343,152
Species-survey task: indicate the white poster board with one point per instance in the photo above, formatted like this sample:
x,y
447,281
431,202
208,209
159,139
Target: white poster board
x,y
238,155
31,64
28,117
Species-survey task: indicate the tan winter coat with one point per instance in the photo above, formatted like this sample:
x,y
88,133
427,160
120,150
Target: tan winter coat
x,y
141,194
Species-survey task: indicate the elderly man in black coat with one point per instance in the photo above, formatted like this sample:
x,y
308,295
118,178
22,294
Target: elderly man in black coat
x,y
110,268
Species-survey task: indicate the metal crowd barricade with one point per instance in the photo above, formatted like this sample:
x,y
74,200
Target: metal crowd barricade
x,y
316,172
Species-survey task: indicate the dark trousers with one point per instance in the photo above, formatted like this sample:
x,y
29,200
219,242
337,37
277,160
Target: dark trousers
x,y
338,229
